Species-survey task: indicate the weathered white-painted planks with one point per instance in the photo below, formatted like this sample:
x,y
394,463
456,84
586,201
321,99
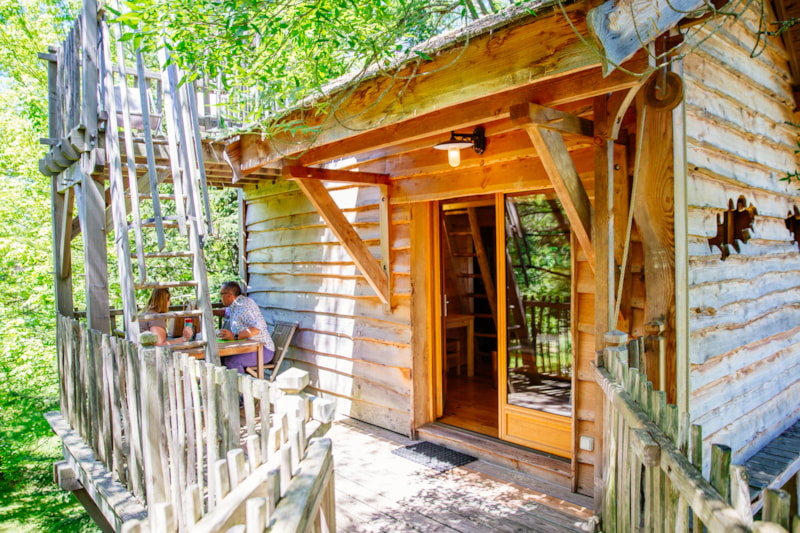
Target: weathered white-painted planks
x,y
354,348
743,311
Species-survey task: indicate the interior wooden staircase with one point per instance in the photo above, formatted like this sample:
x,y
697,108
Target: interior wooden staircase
x,y
470,286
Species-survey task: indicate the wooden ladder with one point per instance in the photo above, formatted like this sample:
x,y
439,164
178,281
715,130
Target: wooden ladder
x,y
173,240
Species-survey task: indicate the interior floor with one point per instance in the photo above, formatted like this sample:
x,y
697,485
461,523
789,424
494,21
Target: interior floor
x,y
471,402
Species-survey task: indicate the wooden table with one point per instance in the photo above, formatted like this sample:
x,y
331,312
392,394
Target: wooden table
x,y
227,348
464,321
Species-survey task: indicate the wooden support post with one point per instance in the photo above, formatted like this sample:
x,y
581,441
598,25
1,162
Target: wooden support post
x,y
605,267
61,206
61,209
653,212
92,209
89,71
603,223
545,134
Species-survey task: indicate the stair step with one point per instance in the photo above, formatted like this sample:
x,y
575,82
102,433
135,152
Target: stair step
x,y
491,450
165,284
474,276
151,255
460,233
159,168
486,335
465,255
474,295
171,314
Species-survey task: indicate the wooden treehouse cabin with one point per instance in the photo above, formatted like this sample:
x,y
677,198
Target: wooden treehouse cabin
x,y
567,243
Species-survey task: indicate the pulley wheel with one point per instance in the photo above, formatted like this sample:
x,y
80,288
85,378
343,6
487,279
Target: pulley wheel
x,y
672,96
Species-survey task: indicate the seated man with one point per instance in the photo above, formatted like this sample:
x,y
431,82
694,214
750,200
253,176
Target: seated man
x,y
246,322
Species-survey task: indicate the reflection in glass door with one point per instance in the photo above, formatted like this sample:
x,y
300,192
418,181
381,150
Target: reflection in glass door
x,y
537,410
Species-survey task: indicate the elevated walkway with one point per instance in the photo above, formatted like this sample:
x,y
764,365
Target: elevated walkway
x,y
377,490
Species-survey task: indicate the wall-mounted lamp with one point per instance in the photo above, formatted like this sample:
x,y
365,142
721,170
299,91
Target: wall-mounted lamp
x,y
459,141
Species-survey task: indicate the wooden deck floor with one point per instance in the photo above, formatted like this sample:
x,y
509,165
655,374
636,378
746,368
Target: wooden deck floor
x,y
379,491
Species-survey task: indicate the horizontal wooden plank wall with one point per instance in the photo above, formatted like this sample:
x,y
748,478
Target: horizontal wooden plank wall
x,y
744,311
354,350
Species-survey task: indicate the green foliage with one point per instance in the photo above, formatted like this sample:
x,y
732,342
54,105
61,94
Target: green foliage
x,y
271,56
544,246
29,500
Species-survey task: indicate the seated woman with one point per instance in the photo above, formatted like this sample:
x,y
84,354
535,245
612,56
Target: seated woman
x,y
159,303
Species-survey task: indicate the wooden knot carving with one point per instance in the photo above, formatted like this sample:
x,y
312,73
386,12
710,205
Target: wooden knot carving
x,y
793,224
735,225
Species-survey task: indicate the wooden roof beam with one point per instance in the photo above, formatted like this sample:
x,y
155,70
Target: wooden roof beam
x,y
392,139
546,135
325,174
623,27
322,201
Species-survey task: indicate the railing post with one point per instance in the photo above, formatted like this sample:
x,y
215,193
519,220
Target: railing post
x,y
655,351
616,347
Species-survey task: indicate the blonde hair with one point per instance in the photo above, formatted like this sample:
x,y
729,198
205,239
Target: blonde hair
x,y
159,301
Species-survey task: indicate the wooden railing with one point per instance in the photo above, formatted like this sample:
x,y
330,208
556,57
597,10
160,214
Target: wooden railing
x,y
159,441
78,103
653,462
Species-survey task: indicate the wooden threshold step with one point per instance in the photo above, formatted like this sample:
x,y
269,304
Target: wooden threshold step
x,y
546,467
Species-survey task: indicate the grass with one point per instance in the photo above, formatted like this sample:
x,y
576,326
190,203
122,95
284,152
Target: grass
x,y
30,501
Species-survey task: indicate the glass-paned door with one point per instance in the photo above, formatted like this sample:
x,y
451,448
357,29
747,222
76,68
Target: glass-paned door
x,y
536,392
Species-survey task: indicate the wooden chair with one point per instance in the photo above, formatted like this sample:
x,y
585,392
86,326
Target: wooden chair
x,y
453,354
282,336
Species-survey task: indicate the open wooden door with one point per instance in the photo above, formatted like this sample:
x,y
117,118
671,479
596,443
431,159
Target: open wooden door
x,y
535,378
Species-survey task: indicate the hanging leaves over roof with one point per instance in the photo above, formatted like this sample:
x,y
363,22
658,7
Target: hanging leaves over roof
x,y
277,54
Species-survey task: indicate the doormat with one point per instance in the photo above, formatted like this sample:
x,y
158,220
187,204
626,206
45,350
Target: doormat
x,y
433,456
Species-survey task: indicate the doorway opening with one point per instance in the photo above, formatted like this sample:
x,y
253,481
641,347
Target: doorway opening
x,y
506,266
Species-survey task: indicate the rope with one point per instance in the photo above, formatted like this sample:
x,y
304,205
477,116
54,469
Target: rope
x,y
636,169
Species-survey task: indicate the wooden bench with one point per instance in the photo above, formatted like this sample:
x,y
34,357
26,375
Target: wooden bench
x,y
774,465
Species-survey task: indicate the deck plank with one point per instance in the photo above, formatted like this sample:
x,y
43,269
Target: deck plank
x,y
379,491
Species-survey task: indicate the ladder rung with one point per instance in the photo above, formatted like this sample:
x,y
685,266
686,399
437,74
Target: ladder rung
x,y
487,335
148,196
151,223
474,295
460,233
470,276
482,315
164,254
171,314
165,284
465,255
